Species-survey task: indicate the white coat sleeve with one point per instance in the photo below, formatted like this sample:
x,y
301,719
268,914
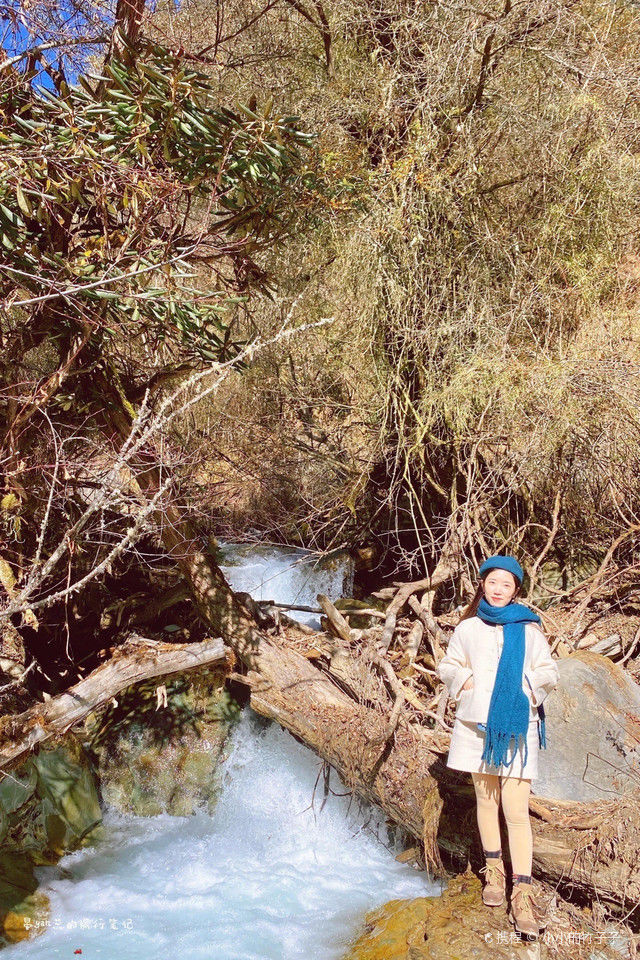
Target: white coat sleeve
x,y
542,671
454,669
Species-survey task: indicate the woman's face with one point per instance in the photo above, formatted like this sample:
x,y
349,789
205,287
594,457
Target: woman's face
x,y
500,587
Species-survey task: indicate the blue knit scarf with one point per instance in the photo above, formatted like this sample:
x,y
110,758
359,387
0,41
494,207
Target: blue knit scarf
x,y
508,717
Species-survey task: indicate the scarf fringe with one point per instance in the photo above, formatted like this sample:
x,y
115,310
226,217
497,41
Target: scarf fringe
x,y
497,744
496,747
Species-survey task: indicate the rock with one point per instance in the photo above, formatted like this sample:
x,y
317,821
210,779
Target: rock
x,y
454,925
608,646
49,804
593,731
153,761
357,620
458,926
28,920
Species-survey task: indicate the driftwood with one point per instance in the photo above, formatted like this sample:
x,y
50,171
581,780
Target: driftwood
x,y
335,618
138,659
396,605
404,593
413,640
436,635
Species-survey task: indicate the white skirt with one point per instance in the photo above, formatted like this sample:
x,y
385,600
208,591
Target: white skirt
x,y
467,745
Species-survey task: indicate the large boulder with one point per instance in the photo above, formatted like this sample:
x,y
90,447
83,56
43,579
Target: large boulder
x,y
593,732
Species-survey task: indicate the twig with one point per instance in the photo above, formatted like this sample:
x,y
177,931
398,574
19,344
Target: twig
x,y
434,632
632,647
335,618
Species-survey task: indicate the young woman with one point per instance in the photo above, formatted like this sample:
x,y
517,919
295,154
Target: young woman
x,y
498,669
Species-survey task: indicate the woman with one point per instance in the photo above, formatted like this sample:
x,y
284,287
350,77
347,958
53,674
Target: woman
x,y
498,668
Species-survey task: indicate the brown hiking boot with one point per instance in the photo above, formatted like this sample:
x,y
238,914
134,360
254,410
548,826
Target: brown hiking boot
x,y
523,910
493,890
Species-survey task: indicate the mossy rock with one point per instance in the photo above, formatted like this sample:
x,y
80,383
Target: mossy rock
x,y
68,792
197,766
144,802
182,803
23,909
28,920
154,760
49,804
357,620
454,926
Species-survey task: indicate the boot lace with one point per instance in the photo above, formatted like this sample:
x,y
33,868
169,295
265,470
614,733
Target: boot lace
x,y
494,874
524,902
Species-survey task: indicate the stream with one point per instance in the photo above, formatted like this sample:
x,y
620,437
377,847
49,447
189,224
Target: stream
x,y
273,874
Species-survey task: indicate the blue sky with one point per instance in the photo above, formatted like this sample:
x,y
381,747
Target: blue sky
x,y
20,31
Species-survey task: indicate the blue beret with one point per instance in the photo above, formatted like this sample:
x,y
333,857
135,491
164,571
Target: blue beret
x,y
503,563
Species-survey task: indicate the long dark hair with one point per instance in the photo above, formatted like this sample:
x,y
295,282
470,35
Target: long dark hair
x,y
472,608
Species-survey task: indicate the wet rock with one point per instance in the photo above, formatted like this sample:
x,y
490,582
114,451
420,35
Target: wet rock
x,y
28,920
165,759
357,620
593,731
24,910
48,806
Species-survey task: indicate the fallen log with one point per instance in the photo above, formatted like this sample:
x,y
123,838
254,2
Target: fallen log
x,y
138,659
590,847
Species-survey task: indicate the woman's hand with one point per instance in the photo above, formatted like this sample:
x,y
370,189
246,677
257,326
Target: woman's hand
x,y
468,684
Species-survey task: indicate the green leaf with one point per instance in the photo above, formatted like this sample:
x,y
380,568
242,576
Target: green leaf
x,y
23,203
10,217
104,294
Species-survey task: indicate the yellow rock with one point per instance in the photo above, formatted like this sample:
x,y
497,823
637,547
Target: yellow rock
x,y
28,920
454,926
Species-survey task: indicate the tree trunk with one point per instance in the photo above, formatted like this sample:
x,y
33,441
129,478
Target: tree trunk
x,y
136,660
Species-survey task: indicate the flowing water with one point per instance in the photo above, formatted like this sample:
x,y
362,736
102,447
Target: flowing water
x,y
273,874
287,574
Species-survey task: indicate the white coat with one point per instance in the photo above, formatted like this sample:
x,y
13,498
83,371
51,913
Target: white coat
x,y
474,651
